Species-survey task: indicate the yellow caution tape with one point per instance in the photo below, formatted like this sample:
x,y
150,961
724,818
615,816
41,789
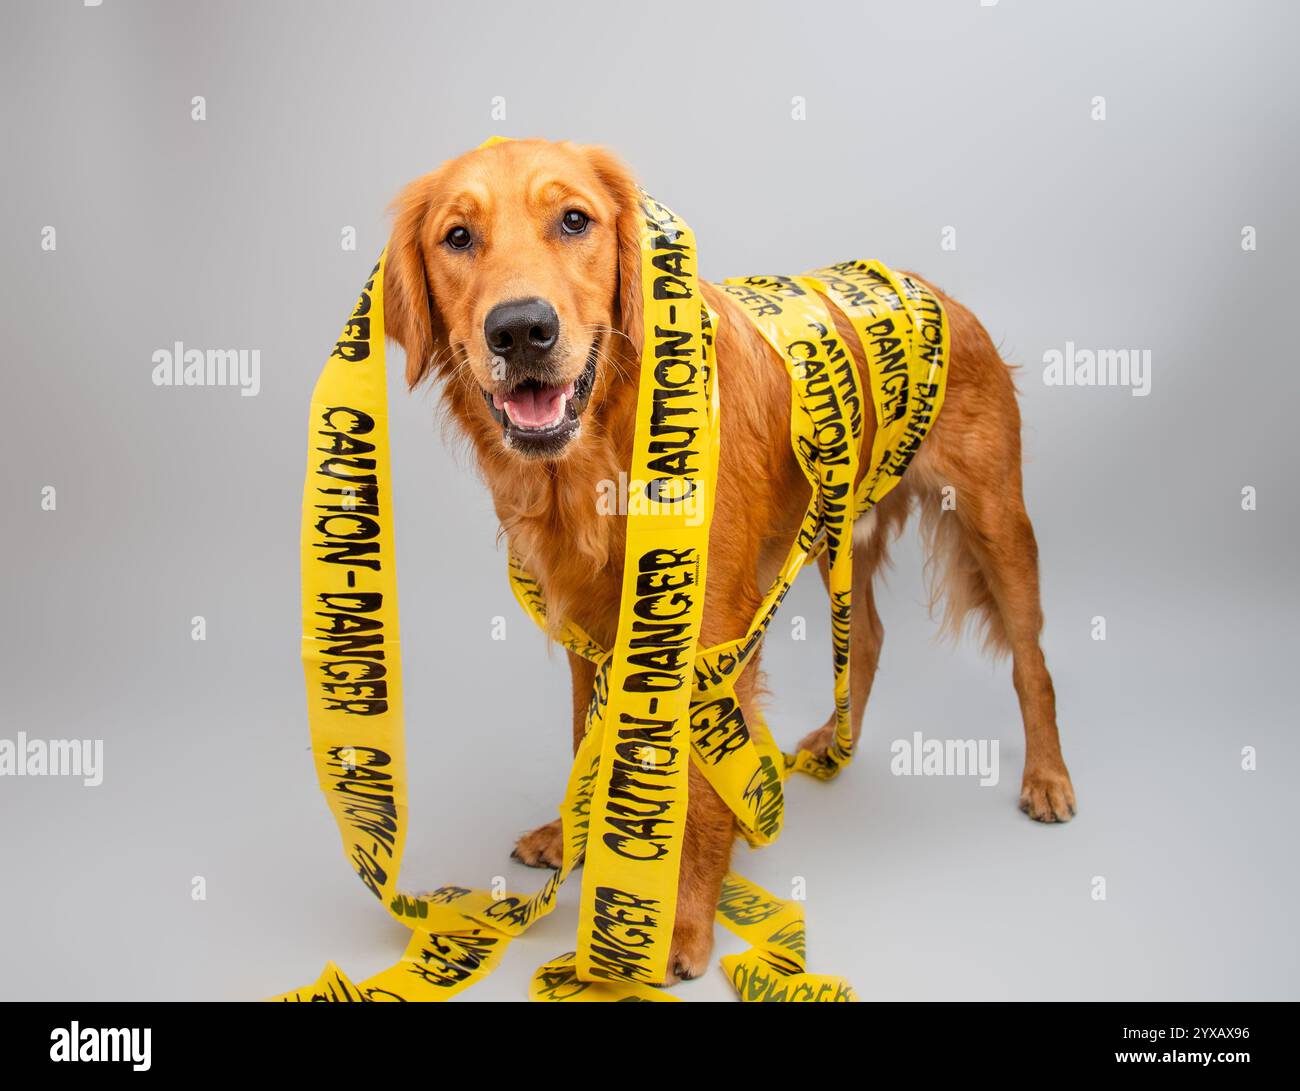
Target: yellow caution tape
x,y
660,701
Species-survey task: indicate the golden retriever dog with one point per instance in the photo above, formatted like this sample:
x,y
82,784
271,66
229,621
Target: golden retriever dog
x,y
514,280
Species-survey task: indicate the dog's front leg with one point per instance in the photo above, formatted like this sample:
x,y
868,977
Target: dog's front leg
x,y
706,856
706,849
710,825
544,847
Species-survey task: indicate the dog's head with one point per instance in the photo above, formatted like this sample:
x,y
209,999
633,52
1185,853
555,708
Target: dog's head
x,y
511,271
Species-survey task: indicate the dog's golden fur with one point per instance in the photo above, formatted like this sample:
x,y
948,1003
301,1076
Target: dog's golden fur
x,y
510,196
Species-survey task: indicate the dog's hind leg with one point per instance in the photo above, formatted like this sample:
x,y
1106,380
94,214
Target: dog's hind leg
x,y
996,540
984,558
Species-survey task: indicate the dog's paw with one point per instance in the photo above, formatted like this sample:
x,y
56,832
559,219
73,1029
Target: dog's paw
x,y
692,945
819,741
1047,795
542,847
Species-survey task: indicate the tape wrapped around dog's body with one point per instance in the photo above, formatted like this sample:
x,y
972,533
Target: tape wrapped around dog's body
x,y
659,700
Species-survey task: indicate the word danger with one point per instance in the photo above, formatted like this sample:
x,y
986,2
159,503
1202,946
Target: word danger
x,y
922,757
120,1044
179,366
621,929
648,754
24,757
1099,367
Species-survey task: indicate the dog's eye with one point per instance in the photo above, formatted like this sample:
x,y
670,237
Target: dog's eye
x,y
574,222
458,238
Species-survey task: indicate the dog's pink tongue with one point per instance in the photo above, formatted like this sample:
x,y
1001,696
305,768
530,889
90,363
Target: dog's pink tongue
x,y
536,408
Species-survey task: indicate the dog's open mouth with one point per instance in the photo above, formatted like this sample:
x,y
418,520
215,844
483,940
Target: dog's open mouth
x,y
538,419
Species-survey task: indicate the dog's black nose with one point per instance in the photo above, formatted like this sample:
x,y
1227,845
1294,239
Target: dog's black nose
x,y
522,330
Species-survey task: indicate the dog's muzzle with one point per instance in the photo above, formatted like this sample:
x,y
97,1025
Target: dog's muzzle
x,y
538,418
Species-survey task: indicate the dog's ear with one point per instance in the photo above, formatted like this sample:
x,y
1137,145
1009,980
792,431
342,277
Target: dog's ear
x,y
626,195
410,315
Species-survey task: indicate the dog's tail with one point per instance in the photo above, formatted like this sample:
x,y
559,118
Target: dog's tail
x,y
959,591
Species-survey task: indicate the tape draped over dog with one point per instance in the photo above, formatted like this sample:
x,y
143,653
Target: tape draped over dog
x,y
660,701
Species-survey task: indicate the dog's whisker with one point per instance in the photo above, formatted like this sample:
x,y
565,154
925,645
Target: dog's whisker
x,y
605,354
610,330
445,355
612,363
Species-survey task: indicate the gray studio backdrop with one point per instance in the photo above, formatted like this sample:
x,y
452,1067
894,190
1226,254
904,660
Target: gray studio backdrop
x,y
1097,165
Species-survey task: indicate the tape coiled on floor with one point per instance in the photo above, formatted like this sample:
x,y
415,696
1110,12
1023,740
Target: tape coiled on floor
x,y
660,702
